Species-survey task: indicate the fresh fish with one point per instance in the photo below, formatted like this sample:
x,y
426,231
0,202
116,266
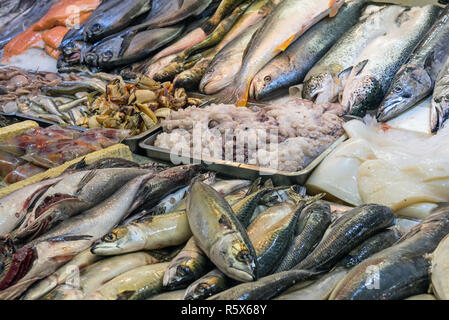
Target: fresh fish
x,y
288,21
440,267
320,289
439,112
376,243
152,232
265,288
14,206
72,104
346,233
160,64
219,234
416,78
171,295
400,271
224,8
208,285
119,15
104,163
226,64
136,284
60,276
325,81
191,78
71,195
312,223
189,265
291,66
373,74
72,87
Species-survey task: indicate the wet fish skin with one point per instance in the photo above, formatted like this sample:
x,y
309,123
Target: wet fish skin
x,y
219,233
376,243
191,78
313,223
189,265
208,285
403,269
325,81
371,77
439,112
291,66
416,78
346,233
265,288
244,208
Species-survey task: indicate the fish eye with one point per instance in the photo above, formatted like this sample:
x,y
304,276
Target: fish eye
x,y
96,28
110,237
267,79
397,89
243,256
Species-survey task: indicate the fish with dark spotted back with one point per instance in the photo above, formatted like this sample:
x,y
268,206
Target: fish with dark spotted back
x,y
219,234
416,79
373,74
346,233
313,222
402,269
291,66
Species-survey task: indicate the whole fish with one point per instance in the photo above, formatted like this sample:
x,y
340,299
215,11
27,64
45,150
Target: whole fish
x,y
373,74
14,206
114,51
71,195
319,290
439,112
288,21
208,285
346,233
244,208
224,8
152,232
400,271
312,222
325,81
219,234
116,17
291,66
190,79
136,284
416,78
60,276
226,64
376,243
270,233
189,265
265,288
440,267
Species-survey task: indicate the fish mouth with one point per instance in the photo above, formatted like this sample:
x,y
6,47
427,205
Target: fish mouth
x,y
390,109
241,274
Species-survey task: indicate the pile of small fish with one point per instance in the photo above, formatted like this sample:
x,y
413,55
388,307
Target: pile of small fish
x,y
228,239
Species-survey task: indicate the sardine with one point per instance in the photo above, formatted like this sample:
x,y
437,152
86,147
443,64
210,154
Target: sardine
x,y
416,78
325,81
219,234
136,284
291,66
373,74
288,21
400,271
312,223
346,233
208,285
189,265
439,270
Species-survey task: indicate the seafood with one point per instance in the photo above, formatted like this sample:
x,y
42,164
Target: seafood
x,y
402,269
313,222
416,78
208,285
373,73
325,81
291,66
345,233
439,112
440,285
219,234
136,284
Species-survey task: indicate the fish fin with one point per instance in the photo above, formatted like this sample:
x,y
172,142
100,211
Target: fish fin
x,y
268,184
85,180
360,66
254,186
68,238
283,46
344,75
243,98
334,8
77,166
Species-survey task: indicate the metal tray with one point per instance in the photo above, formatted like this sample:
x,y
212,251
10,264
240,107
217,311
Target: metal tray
x,y
238,170
131,142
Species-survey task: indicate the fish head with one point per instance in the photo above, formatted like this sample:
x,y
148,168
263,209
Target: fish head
x,y
93,30
202,289
320,88
234,258
180,273
409,86
365,94
439,111
119,240
263,84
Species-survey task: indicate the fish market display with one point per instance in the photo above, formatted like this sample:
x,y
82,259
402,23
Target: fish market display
x,y
290,124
